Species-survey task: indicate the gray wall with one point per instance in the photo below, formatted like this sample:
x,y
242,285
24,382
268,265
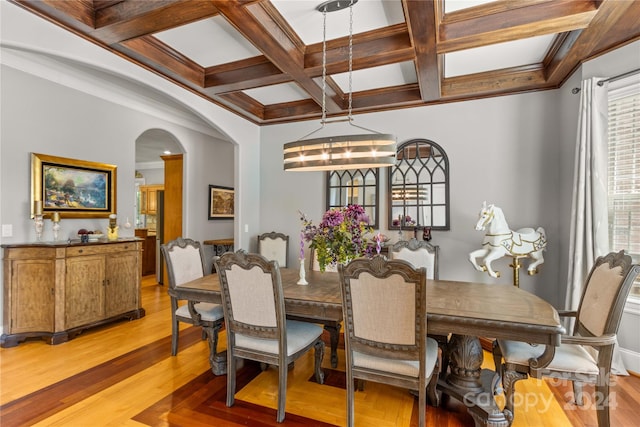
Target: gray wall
x,y
77,125
503,150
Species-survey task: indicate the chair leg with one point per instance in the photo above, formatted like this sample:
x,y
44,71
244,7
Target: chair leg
x,y
602,403
350,392
432,394
175,330
319,355
282,393
578,394
422,405
231,378
175,327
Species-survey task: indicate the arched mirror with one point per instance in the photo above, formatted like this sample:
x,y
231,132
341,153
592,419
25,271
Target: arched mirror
x,y
419,186
354,187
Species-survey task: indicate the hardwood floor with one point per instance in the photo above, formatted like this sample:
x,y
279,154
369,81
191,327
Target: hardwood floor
x,y
123,375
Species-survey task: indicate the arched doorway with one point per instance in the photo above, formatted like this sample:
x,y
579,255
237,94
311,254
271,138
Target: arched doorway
x,y
158,163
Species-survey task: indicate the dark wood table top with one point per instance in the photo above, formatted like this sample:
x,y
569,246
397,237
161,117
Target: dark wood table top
x,y
499,311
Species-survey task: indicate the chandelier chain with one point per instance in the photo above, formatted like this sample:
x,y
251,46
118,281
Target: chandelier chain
x,y
350,58
324,65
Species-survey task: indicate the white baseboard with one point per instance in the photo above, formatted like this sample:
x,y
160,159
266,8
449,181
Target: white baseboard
x,y
631,360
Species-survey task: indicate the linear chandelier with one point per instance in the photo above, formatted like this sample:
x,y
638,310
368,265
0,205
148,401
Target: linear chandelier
x,y
358,151
413,193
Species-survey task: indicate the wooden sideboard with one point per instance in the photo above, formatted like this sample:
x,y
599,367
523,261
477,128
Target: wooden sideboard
x,y
56,290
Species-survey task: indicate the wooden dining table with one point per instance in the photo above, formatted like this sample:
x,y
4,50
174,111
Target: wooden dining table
x,y
463,309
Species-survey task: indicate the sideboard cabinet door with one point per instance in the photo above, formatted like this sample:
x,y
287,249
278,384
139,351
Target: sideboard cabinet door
x,y
33,291
85,290
121,293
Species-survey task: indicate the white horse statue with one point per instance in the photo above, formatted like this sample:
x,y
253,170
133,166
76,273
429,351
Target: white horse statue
x,y
500,241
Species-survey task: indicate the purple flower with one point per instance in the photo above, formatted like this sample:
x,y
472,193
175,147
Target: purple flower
x,y
332,218
339,236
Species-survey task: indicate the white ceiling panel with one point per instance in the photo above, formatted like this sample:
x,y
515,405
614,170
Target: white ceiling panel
x,y
209,42
306,20
378,77
276,94
453,5
497,56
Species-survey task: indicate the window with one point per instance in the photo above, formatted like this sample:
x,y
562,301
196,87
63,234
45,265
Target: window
x,y
419,186
354,187
624,169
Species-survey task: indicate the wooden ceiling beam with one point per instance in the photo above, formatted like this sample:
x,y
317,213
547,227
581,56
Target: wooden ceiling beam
x,y
244,104
244,74
152,52
131,19
262,25
491,83
421,20
304,109
383,46
385,98
490,24
616,23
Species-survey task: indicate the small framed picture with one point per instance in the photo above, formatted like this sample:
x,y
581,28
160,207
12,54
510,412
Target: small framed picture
x,y
221,202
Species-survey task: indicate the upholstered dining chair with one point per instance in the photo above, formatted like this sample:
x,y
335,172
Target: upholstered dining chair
x,y
275,247
596,325
185,260
418,253
256,324
377,293
421,253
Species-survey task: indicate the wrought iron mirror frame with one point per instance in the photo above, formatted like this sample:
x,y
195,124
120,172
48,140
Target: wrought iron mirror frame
x,y
420,167
344,189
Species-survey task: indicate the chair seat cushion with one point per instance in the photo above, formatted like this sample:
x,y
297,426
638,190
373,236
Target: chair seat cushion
x,y
208,312
299,336
402,367
568,357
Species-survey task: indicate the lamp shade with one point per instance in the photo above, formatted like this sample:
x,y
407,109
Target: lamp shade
x,y
340,152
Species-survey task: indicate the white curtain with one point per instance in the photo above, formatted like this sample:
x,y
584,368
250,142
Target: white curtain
x,y
589,236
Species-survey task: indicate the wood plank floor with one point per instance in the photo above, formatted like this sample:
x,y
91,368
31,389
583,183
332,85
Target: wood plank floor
x,y
123,375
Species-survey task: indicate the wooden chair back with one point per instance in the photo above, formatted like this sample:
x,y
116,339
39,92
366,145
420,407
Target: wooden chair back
x,y
605,295
274,246
419,253
184,259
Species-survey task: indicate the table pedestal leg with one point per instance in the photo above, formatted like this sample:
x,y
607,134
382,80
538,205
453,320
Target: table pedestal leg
x,y
469,383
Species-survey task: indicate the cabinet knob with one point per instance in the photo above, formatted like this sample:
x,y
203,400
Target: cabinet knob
x,y
80,251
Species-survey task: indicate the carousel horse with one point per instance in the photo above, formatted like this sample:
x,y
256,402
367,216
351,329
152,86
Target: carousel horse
x,y
500,241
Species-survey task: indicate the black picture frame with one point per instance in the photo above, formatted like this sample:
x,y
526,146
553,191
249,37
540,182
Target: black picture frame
x,y
221,202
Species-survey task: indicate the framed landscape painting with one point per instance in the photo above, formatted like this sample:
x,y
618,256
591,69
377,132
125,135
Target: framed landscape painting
x,y
220,202
74,188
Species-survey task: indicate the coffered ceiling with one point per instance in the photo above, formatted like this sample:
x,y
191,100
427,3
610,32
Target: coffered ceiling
x,y
262,59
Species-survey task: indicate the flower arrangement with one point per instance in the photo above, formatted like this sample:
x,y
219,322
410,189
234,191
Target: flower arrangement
x,y
339,236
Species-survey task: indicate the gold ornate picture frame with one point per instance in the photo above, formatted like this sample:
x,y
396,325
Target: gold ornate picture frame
x,y
74,188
